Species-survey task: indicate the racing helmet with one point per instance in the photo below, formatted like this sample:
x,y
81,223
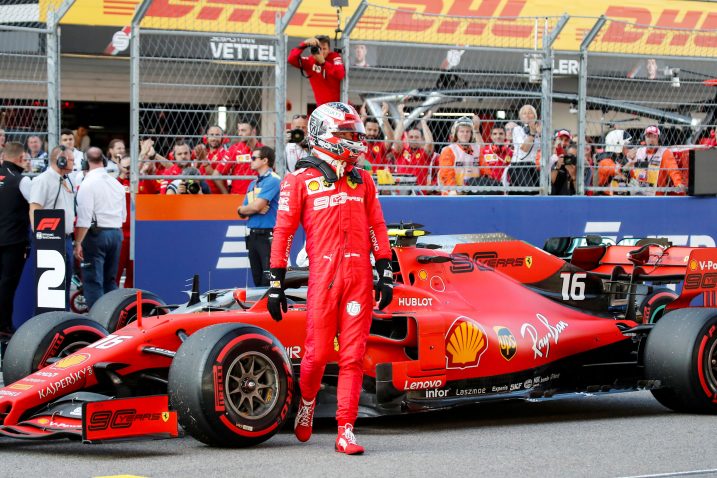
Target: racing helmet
x,y
326,122
616,140
462,121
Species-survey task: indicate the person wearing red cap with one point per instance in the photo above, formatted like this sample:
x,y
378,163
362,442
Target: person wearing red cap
x,y
655,166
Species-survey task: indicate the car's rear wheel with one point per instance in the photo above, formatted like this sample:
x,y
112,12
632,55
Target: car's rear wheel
x,y
44,337
232,385
652,306
681,353
118,308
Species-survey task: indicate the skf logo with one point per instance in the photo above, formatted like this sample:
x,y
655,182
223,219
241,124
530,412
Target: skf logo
x,y
528,261
506,341
71,361
48,223
466,342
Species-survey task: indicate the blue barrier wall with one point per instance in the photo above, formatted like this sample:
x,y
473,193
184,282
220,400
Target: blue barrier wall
x,y
168,253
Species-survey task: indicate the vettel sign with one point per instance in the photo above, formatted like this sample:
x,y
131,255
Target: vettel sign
x,y
443,24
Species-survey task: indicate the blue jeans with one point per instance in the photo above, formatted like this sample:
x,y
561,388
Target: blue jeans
x,y
101,259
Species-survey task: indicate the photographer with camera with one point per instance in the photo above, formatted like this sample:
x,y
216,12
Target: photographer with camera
x,y
563,165
101,210
188,186
297,145
324,68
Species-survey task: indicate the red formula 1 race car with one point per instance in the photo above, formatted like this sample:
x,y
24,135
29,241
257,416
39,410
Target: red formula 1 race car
x,y
488,318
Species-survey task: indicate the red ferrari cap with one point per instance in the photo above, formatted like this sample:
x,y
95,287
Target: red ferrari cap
x,y
564,132
652,129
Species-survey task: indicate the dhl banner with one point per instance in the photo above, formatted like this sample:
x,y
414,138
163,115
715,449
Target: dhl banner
x,y
445,22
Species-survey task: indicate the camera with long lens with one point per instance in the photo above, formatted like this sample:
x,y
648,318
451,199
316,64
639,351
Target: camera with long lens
x,y
570,160
297,136
315,50
192,186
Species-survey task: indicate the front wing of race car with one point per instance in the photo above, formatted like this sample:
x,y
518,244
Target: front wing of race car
x,y
95,418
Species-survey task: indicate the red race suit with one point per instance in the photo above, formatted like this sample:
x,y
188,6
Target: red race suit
x,y
217,158
238,163
325,79
344,225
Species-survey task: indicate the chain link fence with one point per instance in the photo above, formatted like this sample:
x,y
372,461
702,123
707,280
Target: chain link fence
x,y
660,106
29,78
203,96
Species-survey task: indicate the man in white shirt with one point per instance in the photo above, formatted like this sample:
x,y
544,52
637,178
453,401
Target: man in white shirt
x,y
523,170
101,210
53,189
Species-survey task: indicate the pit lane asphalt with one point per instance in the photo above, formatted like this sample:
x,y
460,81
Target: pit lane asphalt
x,y
609,436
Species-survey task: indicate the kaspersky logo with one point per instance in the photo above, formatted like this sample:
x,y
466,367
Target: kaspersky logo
x,y
611,229
466,342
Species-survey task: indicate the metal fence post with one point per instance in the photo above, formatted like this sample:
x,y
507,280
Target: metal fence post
x,y
134,116
282,23
53,102
582,102
346,45
546,114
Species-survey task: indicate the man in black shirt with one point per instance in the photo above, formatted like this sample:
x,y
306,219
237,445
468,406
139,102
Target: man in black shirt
x,y
14,229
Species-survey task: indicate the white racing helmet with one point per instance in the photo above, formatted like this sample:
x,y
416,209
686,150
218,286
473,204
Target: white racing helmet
x,y
331,118
616,140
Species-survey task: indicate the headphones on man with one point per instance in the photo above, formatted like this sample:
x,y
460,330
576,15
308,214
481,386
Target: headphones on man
x,y
61,159
85,165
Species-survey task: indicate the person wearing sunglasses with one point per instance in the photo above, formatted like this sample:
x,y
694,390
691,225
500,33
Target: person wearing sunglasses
x,y
260,206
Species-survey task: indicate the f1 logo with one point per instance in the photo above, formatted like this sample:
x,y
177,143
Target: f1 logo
x,y
48,223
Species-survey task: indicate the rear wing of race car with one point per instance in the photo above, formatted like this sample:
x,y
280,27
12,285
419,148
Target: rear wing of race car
x,y
700,280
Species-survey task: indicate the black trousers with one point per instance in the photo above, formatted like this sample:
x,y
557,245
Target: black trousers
x,y
258,243
12,261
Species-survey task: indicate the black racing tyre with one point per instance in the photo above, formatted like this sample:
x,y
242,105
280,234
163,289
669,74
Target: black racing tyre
x,y
45,336
681,353
118,308
652,306
232,385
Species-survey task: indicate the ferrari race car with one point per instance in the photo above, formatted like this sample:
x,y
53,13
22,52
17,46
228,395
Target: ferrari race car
x,y
482,318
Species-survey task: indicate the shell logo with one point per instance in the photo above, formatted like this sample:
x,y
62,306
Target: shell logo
x,y
693,264
314,186
466,342
422,274
43,421
71,361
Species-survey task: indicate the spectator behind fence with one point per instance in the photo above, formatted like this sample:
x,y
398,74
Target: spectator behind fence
x,y
38,156
101,210
2,139
261,205
188,186
239,160
115,152
655,166
14,229
496,155
523,171
509,127
379,154
615,164
212,154
459,161
145,186
324,68
563,172
53,189
359,59
297,143
182,160
416,155
82,138
67,139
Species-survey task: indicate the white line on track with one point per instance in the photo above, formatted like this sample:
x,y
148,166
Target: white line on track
x,y
712,471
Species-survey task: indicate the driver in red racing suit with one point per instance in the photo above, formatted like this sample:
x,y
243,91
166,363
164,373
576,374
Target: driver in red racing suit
x,y
338,206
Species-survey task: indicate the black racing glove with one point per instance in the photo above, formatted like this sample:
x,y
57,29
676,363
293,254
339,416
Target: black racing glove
x,y
277,298
384,286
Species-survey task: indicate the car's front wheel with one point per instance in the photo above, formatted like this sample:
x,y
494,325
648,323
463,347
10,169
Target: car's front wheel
x,y
232,385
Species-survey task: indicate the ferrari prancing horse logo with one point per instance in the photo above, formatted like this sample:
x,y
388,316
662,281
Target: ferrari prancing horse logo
x,y
528,261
